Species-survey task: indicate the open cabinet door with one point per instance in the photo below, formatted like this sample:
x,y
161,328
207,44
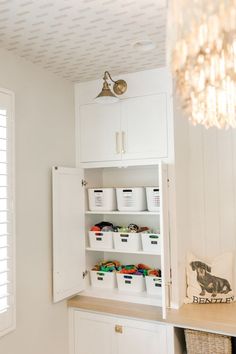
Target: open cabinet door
x,y
165,245
68,232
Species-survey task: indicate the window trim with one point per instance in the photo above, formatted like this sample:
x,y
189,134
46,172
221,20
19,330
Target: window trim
x,y
12,326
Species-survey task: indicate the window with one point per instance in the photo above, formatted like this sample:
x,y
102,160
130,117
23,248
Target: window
x,y
7,232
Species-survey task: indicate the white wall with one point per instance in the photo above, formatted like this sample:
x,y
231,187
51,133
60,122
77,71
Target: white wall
x,y
44,122
206,191
212,190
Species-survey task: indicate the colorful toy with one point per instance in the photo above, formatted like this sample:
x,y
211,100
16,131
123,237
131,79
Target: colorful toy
x,y
95,228
107,266
133,228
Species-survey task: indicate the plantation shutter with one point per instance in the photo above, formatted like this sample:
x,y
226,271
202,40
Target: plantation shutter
x,y
7,253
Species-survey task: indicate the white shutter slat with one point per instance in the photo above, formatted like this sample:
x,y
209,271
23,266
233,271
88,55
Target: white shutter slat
x,y
4,291
3,241
3,192
3,181
4,304
3,144
3,132
3,166
4,253
3,229
4,278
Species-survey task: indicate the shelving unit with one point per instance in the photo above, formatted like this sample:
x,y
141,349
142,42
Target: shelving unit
x,y
137,176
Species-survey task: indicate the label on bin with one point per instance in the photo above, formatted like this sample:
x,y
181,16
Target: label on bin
x,y
156,197
98,197
128,197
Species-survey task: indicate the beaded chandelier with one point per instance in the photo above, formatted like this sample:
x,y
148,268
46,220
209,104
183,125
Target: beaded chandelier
x,y
204,60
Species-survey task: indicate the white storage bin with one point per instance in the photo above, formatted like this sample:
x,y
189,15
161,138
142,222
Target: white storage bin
x,y
153,198
105,280
130,282
127,241
153,285
131,199
99,239
151,243
103,199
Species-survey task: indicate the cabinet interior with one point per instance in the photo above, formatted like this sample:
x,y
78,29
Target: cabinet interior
x,y
140,176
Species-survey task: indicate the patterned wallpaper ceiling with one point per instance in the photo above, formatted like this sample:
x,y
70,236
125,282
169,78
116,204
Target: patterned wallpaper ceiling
x,y
80,39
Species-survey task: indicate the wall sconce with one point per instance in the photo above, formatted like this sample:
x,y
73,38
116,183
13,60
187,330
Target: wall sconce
x,y
106,95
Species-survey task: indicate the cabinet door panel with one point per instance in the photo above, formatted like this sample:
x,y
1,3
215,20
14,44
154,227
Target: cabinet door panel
x,y
144,126
99,132
142,341
68,231
165,245
92,336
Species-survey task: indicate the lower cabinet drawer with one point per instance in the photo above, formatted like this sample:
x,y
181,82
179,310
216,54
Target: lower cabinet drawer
x,y
101,334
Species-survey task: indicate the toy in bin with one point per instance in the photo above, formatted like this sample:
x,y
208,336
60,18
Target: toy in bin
x,y
100,236
102,226
128,238
132,277
107,266
153,282
103,274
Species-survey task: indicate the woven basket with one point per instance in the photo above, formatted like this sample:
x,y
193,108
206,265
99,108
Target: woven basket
x,y
207,343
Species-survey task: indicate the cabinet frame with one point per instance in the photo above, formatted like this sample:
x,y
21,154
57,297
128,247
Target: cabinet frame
x,y
60,217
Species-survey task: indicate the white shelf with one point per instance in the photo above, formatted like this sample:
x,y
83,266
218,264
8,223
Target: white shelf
x,y
122,251
122,212
115,294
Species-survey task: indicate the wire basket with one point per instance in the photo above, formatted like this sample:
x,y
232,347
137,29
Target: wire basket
x,y
207,343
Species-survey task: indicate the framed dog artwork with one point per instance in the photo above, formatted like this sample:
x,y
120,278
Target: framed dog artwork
x,y
209,283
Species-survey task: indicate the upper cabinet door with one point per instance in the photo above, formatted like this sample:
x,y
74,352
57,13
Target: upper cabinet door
x,y
99,132
68,232
144,127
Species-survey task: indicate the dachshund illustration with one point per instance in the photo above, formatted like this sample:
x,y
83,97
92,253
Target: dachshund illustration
x,y
208,282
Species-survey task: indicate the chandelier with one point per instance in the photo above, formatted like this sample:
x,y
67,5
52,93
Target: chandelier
x,y
204,60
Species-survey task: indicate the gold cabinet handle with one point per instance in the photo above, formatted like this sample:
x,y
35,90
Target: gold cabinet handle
x,y
123,143
118,329
117,143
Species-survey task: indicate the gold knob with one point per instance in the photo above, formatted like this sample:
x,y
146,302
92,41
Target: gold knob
x,y
118,329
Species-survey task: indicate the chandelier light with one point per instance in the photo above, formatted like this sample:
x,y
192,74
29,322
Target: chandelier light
x,y
204,60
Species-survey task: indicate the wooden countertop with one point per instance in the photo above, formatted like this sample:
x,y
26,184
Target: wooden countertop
x,y
219,318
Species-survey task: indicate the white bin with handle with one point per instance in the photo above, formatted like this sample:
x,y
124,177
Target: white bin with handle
x,y
105,280
127,241
101,240
153,198
130,282
153,285
131,199
151,242
103,199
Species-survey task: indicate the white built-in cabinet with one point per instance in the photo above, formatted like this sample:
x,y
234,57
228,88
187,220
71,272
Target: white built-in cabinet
x,y
134,128
118,145
102,334
73,258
